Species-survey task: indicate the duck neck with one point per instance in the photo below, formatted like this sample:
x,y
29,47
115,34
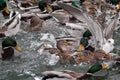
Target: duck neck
x,y
7,52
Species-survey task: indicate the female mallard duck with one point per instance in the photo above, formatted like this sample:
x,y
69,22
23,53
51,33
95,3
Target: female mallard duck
x,y
103,37
7,48
4,8
116,2
11,27
35,23
87,5
88,56
71,75
24,5
61,51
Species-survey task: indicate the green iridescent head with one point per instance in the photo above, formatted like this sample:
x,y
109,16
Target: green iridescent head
x,y
9,42
75,4
3,6
87,34
43,5
97,67
84,41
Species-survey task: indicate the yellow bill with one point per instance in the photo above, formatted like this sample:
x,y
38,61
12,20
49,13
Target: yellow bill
x,y
81,47
6,10
18,48
105,67
48,8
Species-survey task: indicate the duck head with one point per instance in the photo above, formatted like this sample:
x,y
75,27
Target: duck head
x,y
3,6
83,44
43,5
97,67
62,44
9,42
84,41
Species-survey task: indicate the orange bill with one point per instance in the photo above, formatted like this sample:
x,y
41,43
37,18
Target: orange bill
x,y
105,67
48,8
6,10
18,48
81,47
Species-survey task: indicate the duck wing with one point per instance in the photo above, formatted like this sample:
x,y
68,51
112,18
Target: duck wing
x,y
12,26
75,12
96,30
108,31
1,51
93,25
68,74
65,75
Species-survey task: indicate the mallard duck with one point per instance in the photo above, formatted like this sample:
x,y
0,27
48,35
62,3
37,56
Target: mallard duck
x,y
84,42
61,16
7,48
88,56
4,8
117,3
11,26
44,5
24,5
60,52
35,23
87,5
71,75
102,36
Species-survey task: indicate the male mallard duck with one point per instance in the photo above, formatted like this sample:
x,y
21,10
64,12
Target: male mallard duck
x,y
7,48
103,37
4,8
71,75
84,42
11,26
45,5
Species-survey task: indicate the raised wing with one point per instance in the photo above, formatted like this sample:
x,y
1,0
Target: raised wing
x,y
93,25
108,31
73,11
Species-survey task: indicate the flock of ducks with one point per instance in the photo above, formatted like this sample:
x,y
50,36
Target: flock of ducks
x,y
86,16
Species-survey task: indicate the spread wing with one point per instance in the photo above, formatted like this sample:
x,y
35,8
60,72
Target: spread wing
x,y
108,31
93,25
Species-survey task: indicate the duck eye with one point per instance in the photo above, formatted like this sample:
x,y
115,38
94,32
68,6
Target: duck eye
x,y
109,41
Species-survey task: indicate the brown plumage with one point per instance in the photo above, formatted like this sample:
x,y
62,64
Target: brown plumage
x,y
35,23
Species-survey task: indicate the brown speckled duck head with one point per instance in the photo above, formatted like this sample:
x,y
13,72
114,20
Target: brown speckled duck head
x,y
7,46
62,45
35,23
